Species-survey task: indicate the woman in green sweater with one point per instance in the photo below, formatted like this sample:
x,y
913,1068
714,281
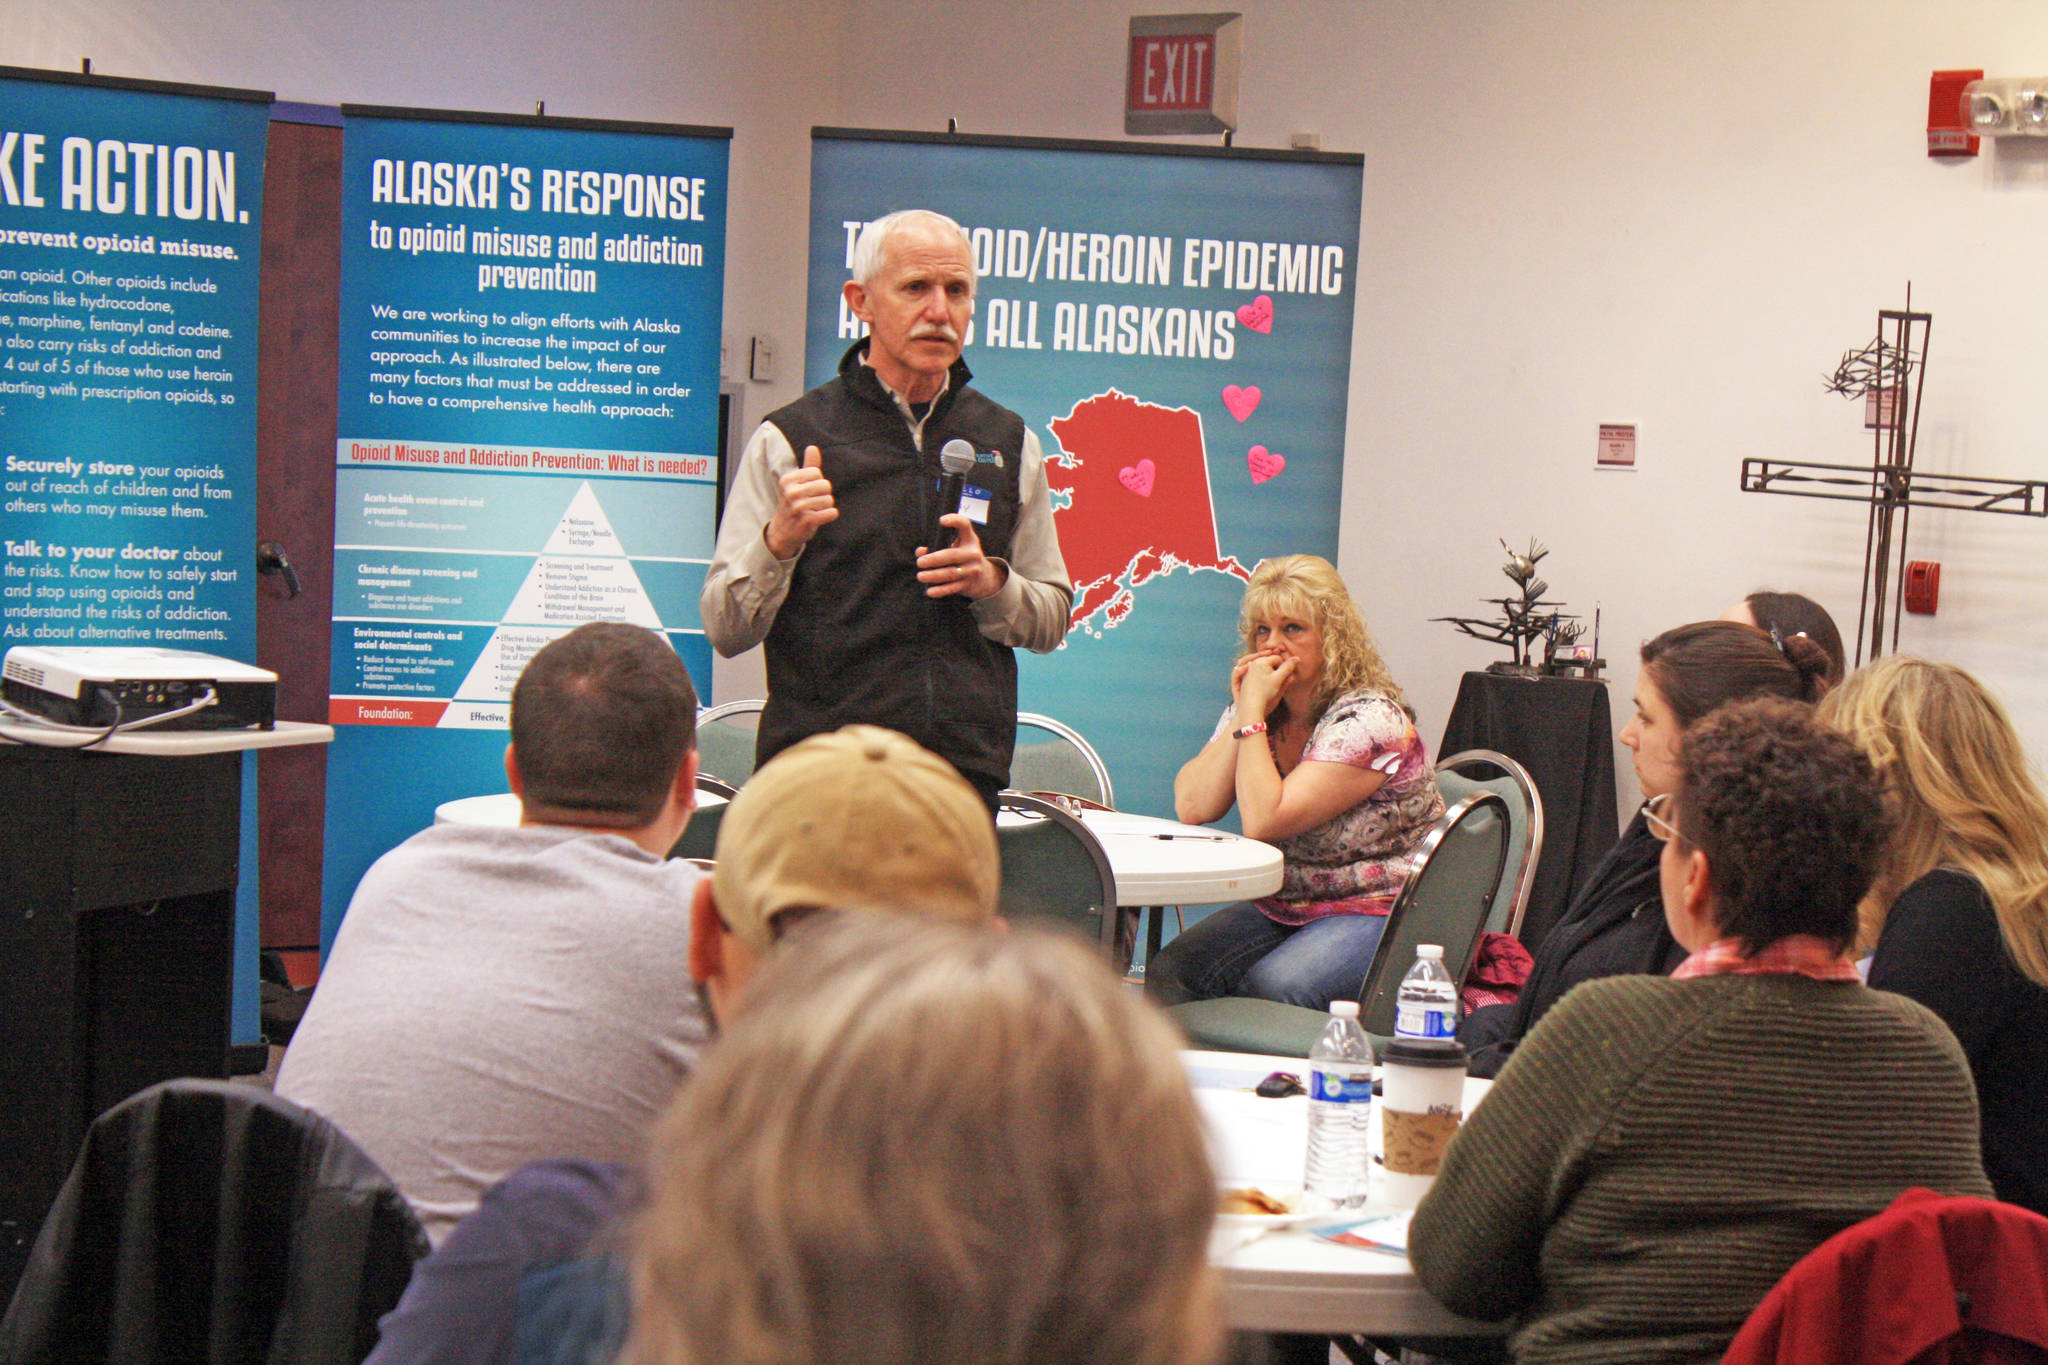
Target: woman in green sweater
x,y
1659,1151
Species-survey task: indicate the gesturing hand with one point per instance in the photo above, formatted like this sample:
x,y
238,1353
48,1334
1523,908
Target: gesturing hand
x,y
960,569
804,503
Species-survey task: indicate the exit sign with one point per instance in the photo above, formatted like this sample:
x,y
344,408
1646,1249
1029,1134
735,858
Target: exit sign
x,y
1181,75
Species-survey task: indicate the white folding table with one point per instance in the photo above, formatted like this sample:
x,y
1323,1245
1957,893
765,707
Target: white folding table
x,y
1291,1280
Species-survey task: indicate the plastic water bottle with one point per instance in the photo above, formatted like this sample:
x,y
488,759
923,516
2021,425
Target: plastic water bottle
x,y
1427,1006
1339,1111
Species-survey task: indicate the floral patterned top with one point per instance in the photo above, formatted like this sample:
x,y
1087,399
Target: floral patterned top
x,y
1355,862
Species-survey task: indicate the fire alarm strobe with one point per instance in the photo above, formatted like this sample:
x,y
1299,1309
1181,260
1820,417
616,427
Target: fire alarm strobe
x,y
1923,587
87,685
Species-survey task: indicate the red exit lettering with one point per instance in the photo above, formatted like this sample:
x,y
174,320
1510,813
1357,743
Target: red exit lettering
x,y
1172,71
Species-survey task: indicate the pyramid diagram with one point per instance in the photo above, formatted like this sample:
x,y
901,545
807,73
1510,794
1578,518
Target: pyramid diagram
x,y
582,574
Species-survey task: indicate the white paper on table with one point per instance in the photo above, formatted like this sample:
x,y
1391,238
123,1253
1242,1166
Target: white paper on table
x,y
1253,1140
1382,1232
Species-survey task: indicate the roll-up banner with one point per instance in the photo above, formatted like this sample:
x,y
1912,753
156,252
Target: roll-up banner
x,y
529,351
130,221
1175,323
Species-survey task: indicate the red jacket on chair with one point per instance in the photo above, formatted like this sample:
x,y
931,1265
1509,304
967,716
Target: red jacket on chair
x,y
1932,1280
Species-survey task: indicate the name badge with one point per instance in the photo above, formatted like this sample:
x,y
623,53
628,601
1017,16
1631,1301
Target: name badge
x,y
974,504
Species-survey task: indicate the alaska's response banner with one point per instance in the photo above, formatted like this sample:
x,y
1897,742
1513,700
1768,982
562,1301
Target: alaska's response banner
x,y
1175,324
530,318
129,226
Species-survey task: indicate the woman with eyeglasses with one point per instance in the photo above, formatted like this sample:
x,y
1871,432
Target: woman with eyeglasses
x,y
1660,1151
1613,925
1958,917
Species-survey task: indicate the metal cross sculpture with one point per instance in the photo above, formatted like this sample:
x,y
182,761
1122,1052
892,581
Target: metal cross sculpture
x,y
1881,374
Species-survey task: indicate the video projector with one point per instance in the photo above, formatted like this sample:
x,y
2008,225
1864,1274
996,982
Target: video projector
x,y
98,686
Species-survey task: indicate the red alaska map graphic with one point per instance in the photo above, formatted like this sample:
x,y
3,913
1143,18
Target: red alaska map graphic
x,y
1115,538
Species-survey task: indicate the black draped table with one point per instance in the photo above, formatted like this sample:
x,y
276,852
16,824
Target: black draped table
x,y
1560,730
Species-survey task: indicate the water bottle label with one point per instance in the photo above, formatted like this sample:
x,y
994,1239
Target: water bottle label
x,y
1419,1021
1326,1085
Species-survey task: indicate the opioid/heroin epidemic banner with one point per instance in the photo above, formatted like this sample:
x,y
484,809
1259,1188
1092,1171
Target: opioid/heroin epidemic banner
x,y
1175,323
530,322
129,226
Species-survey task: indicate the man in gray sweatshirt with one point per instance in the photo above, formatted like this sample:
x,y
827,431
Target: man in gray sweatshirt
x,y
496,996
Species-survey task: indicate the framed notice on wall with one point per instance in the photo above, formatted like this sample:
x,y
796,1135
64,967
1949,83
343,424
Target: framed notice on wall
x,y
530,322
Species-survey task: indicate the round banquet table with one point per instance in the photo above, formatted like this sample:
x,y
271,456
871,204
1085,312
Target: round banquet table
x,y
1155,862
1163,862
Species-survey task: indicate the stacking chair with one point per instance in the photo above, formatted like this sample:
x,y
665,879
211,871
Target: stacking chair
x,y
1052,757
1446,900
700,836
725,740
1457,777
213,1221
1054,871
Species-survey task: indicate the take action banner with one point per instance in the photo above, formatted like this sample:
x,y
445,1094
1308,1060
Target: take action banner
x,y
1175,323
530,323
129,223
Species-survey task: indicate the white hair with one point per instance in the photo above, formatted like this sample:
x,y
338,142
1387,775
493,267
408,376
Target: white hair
x,y
869,249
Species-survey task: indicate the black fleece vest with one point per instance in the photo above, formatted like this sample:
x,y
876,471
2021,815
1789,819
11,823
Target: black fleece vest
x,y
857,639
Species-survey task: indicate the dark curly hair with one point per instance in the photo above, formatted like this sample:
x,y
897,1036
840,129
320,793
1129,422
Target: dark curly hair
x,y
1791,817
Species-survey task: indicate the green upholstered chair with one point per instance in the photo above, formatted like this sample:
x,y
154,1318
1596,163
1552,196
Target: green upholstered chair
x,y
1052,757
1473,770
1055,872
725,740
700,836
1445,900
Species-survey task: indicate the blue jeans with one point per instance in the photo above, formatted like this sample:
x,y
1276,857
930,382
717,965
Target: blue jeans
x,y
1239,951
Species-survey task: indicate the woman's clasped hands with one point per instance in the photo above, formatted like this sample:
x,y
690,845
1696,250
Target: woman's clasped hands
x,y
1257,681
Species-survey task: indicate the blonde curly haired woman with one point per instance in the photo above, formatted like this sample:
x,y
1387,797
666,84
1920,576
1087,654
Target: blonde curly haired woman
x,y
1319,753
1958,916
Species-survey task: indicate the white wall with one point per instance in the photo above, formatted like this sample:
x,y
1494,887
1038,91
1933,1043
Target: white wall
x,y
1608,210
1605,210
1681,216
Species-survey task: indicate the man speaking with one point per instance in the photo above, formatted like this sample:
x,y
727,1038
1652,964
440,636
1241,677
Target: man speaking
x,y
837,560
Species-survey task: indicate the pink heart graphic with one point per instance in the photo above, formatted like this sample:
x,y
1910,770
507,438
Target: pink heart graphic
x,y
1138,477
1258,314
1241,402
1263,463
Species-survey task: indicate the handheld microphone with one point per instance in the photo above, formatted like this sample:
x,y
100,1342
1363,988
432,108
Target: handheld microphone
x,y
956,459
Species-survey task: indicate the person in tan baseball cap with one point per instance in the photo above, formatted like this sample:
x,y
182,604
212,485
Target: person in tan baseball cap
x,y
861,818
